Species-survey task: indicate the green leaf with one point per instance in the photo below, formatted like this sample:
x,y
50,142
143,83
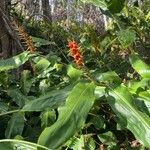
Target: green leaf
x,y
71,118
15,125
108,138
3,107
41,65
38,42
15,61
76,143
145,95
26,82
17,97
98,122
126,37
144,100
115,6
51,100
6,146
121,101
48,117
109,77
134,86
140,66
99,91
73,73
13,144
83,142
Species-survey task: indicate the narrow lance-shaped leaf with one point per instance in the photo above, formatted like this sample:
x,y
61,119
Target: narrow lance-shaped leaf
x,y
121,101
71,116
140,66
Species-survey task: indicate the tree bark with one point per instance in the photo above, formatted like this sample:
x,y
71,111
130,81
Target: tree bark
x,y
46,11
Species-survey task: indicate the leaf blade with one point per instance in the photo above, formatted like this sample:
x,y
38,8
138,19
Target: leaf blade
x,y
72,116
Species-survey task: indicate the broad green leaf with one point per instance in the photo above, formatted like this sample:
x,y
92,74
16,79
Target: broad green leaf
x,y
115,6
15,61
140,66
109,77
134,86
73,73
99,91
108,138
98,122
145,95
99,3
15,125
144,100
121,101
51,100
6,146
71,118
126,37
13,144
42,65
17,97
38,42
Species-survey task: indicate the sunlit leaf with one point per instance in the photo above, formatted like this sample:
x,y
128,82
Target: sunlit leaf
x,y
121,101
71,116
140,66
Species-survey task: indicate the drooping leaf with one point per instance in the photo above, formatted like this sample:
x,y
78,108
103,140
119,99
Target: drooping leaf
x,y
51,100
15,61
140,66
126,37
15,125
71,116
121,101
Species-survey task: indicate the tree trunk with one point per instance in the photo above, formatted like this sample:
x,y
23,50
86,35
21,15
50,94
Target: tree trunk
x,y
46,11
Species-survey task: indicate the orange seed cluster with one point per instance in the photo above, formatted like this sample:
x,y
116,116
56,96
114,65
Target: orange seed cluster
x,y
74,51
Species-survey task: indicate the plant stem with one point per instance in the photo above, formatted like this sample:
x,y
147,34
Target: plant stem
x,y
9,112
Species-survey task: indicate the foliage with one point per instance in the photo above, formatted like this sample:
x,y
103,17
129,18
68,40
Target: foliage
x,y
104,103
